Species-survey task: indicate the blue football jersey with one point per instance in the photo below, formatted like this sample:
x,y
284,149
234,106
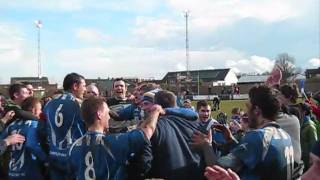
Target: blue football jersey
x,y
266,153
217,136
64,126
131,112
99,156
24,157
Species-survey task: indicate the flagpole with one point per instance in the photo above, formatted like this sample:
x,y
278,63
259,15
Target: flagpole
x,y
39,55
38,24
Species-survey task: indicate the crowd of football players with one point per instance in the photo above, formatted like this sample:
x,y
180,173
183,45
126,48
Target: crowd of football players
x,y
154,133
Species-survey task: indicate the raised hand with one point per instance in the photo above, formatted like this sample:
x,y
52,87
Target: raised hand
x,y
14,139
218,173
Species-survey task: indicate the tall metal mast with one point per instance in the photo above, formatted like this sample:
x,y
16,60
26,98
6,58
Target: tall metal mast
x,y
38,24
186,15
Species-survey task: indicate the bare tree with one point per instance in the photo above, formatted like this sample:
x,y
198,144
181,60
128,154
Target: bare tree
x,y
286,64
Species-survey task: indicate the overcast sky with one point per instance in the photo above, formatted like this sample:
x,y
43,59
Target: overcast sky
x,y
146,38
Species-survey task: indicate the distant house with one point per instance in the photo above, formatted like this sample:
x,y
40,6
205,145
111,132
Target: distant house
x,y
199,81
215,77
312,73
252,79
312,80
246,82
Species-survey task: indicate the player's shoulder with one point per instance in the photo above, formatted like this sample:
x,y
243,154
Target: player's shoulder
x,y
31,123
254,135
62,100
64,97
76,145
12,126
123,137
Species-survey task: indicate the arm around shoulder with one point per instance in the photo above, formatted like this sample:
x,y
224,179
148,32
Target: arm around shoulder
x,y
148,126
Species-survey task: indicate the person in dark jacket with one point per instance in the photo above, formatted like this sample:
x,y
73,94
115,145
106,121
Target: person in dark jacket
x,y
171,155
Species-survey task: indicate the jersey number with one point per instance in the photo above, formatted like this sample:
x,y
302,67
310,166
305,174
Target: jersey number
x,y
89,173
58,118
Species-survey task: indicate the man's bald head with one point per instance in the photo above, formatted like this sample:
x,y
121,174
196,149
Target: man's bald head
x,y
92,90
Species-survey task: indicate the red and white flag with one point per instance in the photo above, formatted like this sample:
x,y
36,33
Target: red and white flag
x,y
275,77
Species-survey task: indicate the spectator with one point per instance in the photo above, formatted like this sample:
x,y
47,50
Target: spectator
x,y
244,123
187,104
288,97
117,103
308,136
180,98
92,90
120,91
216,103
314,103
235,120
45,100
289,121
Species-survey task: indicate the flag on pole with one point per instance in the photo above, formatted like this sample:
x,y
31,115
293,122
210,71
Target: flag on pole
x,y
275,77
302,82
38,23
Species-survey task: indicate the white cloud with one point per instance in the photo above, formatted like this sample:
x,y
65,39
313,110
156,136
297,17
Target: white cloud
x,y
113,61
151,31
70,5
92,36
253,64
207,15
136,62
314,62
15,55
11,42
77,5
181,67
165,25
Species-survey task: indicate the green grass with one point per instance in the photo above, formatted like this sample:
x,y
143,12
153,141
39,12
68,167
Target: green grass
x,y
226,106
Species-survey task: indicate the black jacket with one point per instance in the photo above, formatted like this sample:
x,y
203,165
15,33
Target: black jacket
x,y
171,156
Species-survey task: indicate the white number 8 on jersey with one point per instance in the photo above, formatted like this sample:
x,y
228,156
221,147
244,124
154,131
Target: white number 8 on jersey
x,y
89,173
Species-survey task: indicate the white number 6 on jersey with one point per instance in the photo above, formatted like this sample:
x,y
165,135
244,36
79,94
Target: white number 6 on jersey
x,y
58,118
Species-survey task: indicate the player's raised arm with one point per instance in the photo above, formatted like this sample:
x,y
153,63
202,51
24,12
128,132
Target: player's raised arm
x,y
149,124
